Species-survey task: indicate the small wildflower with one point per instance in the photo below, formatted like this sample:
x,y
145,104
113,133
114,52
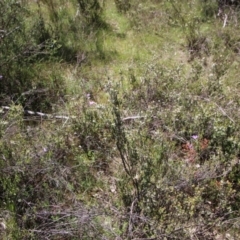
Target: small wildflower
x,y
195,137
92,103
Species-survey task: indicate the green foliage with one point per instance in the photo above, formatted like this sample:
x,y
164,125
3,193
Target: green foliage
x,y
153,151
14,45
144,144
123,5
209,8
22,47
93,131
92,11
41,175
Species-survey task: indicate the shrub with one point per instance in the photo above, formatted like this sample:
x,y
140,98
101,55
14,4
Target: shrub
x,y
174,154
42,176
123,5
92,11
22,47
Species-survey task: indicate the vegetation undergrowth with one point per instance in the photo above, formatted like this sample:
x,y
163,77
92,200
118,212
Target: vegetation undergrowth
x,y
119,119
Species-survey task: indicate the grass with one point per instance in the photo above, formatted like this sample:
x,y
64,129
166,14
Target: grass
x,y
156,155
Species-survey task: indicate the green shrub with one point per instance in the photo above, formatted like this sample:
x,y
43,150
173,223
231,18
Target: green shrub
x,y
174,151
42,176
92,11
209,8
123,5
22,47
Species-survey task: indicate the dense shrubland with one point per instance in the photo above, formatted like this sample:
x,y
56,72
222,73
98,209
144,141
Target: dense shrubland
x,y
148,145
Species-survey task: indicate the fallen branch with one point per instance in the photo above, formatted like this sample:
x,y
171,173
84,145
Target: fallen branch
x,y
132,118
60,117
39,114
